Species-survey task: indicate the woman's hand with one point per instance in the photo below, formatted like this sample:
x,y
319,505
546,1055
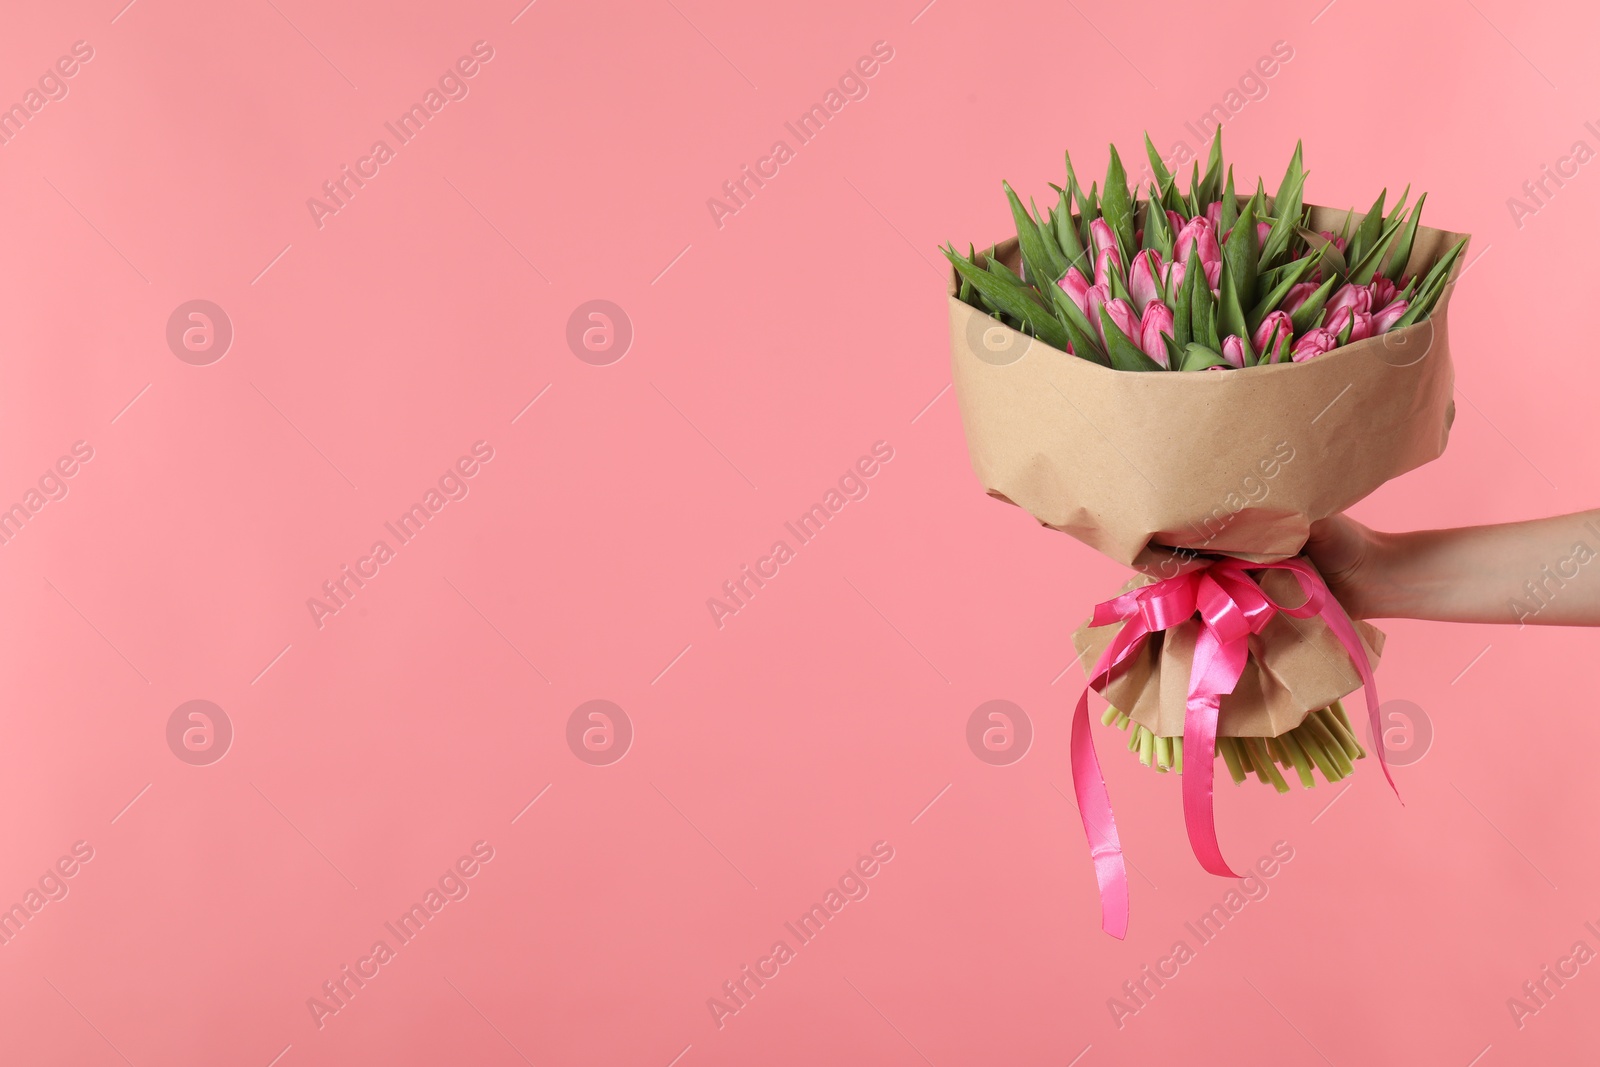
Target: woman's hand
x,y
1347,554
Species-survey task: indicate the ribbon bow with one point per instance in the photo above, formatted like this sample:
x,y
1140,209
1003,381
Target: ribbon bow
x,y
1231,606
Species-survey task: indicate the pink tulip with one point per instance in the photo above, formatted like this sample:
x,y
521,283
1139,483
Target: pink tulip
x,y
1338,242
1123,317
1198,236
1172,276
1314,343
1157,321
1233,351
1142,278
1174,220
1383,291
1076,286
1214,213
1297,295
1354,297
1360,323
1108,260
1271,333
1384,320
1100,233
1099,296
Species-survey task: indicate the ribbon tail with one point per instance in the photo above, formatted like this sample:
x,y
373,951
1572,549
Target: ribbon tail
x,y
1199,772
1338,621
1200,748
1099,826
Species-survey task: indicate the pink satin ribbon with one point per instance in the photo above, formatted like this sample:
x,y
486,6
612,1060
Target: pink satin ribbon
x,y
1232,606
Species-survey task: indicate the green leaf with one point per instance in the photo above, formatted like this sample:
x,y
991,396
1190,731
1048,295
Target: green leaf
x,y
1287,205
1182,327
1117,206
1040,255
1399,208
1367,232
1211,184
966,293
1193,206
1306,314
1402,249
1433,286
1157,167
1072,183
1202,308
1230,316
1157,229
1240,256
1197,356
1066,231
1124,353
1362,271
1090,212
1289,277
1005,292
1332,259
1230,207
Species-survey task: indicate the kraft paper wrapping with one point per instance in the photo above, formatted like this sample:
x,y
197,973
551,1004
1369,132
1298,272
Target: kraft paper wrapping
x,y
1235,462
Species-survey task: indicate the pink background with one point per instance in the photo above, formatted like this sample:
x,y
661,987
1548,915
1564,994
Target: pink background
x,y
768,355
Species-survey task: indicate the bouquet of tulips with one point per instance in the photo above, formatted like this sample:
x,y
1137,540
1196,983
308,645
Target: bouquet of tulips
x,y
1203,279
1331,329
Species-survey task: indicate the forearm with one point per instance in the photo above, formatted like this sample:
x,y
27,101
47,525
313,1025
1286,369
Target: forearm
x,y
1545,571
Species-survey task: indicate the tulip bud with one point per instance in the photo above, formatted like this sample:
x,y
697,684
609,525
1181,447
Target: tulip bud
x,y
1338,242
1383,291
1157,321
1384,320
1199,236
1354,297
1214,213
1360,323
1142,278
1314,343
1233,351
1262,230
1297,295
1108,260
1271,333
1174,220
1122,316
1099,296
1076,286
1100,233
